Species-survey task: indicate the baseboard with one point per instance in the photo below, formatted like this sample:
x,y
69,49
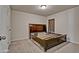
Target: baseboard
x,y
4,51
74,42
18,39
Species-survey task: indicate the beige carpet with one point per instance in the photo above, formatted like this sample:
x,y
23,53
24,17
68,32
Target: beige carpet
x,y
23,46
27,46
69,48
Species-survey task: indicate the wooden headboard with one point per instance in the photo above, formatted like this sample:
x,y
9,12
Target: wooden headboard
x,y
37,28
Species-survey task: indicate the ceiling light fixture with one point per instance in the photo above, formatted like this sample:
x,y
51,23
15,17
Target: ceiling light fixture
x,y
43,6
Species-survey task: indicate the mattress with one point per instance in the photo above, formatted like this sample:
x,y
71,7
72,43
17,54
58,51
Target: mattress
x,y
45,36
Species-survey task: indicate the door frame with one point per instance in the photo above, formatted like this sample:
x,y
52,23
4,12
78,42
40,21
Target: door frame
x,y
49,23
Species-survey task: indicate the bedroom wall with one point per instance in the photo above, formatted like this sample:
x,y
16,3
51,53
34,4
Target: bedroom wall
x,y
67,23
20,22
74,24
61,22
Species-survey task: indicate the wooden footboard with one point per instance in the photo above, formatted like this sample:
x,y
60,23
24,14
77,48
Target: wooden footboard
x,y
47,44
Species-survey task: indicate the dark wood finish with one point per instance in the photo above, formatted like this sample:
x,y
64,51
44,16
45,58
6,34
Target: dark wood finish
x,y
33,28
37,27
47,44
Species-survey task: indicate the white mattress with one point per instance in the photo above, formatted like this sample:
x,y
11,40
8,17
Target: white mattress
x,y
46,36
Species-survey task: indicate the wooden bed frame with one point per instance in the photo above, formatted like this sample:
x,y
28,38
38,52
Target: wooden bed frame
x,y
46,44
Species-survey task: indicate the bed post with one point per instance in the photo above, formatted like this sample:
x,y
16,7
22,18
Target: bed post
x,y
45,50
65,38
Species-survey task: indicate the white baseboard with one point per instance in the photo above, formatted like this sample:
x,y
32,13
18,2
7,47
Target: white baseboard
x,y
4,51
19,39
74,42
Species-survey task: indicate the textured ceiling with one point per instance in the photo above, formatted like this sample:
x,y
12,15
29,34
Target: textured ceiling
x,y
35,9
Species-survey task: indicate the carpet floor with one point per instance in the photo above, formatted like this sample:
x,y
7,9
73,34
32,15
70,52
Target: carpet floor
x,y
27,46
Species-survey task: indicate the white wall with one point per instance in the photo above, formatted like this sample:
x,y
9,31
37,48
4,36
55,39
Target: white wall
x,y
20,22
61,22
74,24
67,22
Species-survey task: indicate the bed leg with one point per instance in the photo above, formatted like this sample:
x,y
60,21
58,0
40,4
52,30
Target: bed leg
x,y
45,50
65,38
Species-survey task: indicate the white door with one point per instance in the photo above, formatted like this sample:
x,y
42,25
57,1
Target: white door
x,y
4,28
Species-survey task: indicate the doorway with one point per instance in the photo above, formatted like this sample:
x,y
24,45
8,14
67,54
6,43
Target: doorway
x,y
51,25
